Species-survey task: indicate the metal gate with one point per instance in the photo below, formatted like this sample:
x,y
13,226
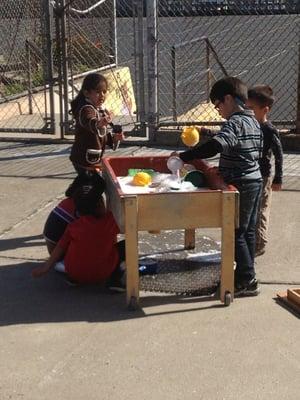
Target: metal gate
x,y
90,38
49,46
26,76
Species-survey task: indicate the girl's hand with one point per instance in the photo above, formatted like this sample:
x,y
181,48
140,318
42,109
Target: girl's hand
x,y
118,137
104,121
39,271
276,187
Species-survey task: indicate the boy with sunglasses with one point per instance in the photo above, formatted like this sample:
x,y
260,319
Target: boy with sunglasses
x,y
239,143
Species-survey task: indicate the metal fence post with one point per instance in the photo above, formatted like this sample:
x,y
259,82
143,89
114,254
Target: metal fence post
x,y
174,89
152,68
140,58
208,79
49,61
29,77
298,95
57,13
64,53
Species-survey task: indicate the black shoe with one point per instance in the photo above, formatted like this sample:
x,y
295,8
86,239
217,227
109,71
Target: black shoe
x,y
247,289
260,252
117,285
69,281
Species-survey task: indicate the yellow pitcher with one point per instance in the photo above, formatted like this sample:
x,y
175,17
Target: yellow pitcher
x,y
190,136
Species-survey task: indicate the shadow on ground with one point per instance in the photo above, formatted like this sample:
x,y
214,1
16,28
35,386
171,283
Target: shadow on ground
x,y
19,242
25,300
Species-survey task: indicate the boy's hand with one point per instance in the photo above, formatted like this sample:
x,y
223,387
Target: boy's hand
x,y
39,271
174,154
206,132
276,187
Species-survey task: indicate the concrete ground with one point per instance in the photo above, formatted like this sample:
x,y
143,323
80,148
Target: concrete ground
x,y
62,343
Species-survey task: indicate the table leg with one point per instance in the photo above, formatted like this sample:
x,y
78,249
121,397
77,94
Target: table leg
x,y
131,238
227,263
189,239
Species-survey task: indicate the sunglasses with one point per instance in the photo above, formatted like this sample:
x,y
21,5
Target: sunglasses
x,y
217,104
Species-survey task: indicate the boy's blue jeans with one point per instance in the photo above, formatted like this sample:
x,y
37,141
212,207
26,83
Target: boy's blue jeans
x,y
250,193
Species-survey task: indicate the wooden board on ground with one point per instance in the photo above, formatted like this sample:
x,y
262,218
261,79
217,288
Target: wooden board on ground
x,y
293,295
295,307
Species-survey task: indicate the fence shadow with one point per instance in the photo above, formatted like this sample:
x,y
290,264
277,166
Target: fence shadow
x,y
18,242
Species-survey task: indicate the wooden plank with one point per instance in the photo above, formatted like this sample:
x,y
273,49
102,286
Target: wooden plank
x,y
282,297
228,231
180,210
189,239
115,203
131,238
294,296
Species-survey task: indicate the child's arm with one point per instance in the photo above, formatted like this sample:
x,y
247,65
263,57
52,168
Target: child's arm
x,y
206,150
205,132
56,255
278,155
89,119
224,139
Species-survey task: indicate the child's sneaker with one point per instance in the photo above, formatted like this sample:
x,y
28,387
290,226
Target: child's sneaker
x,y
69,281
117,285
249,289
260,252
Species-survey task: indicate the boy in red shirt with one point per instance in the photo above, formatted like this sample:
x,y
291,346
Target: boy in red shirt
x,y
89,245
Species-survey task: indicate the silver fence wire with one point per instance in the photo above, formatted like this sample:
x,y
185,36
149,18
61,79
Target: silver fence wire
x,y
48,46
200,42
24,96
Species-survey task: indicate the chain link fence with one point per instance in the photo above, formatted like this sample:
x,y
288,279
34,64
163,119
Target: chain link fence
x,y
24,89
94,36
161,58
195,51
49,46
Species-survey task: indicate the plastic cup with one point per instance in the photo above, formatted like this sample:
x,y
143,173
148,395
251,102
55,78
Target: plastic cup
x,y
174,164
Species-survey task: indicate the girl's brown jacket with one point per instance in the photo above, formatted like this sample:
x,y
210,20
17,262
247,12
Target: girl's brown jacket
x,y
89,136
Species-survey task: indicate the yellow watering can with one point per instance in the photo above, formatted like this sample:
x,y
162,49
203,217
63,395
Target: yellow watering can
x,y
190,136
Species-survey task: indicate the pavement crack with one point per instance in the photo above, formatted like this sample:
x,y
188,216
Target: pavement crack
x,y
30,216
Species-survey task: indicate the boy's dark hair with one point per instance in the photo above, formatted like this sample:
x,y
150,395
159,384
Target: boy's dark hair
x,y
86,197
229,85
90,82
262,95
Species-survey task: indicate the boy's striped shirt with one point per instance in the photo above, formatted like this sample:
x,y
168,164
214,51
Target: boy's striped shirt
x,y
242,141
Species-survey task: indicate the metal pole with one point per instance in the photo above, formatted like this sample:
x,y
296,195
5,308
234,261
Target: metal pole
x,y
208,83
141,74
135,54
59,67
29,77
64,58
214,53
174,91
298,95
49,62
115,32
152,68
